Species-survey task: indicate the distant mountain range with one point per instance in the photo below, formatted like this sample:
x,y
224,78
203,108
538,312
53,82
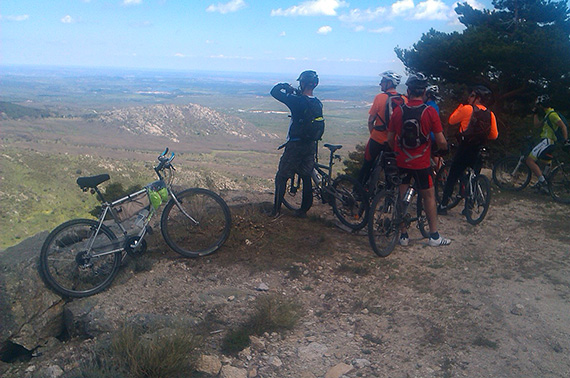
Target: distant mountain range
x,y
15,111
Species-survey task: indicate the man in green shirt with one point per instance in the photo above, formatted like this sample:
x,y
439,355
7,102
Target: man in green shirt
x,y
553,128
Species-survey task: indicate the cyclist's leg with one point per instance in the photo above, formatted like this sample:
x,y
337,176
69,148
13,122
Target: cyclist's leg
x,y
284,172
455,170
306,164
535,153
373,149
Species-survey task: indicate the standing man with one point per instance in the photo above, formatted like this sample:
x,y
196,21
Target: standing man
x,y
408,135
477,124
553,128
378,119
299,155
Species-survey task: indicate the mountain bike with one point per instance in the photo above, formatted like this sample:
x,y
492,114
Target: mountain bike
x,y
81,257
345,194
474,187
511,173
389,211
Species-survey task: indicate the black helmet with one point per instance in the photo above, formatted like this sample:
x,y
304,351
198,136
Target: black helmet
x,y
417,81
309,77
543,100
482,92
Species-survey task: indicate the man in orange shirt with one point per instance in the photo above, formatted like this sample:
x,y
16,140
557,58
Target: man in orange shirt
x,y
468,152
378,119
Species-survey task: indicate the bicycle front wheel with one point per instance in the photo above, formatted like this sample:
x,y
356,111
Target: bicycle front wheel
x,y
440,180
350,204
73,260
293,197
197,224
511,173
559,184
383,227
477,205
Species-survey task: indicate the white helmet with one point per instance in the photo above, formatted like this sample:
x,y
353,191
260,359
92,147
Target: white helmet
x,y
392,76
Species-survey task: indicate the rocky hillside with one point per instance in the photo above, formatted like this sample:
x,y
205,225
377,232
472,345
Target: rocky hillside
x,y
179,121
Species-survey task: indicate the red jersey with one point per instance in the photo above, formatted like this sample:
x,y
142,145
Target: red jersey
x,y
429,122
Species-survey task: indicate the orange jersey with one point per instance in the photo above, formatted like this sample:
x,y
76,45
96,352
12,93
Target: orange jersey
x,y
462,115
378,109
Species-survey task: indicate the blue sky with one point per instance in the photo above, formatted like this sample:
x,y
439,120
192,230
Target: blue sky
x,y
334,37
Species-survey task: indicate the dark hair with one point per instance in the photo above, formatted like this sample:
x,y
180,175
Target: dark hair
x,y
483,93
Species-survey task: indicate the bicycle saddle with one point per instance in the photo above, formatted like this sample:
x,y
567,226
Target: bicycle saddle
x,y
333,147
92,181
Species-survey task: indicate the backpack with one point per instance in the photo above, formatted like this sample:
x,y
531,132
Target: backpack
x,y
479,127
312,125
393,101
411,135
558,131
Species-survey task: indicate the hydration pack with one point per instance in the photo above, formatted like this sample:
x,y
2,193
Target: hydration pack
x,y
412,136
479,127
392,102
312,124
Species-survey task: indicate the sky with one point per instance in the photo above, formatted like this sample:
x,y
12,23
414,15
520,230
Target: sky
x,y
334,37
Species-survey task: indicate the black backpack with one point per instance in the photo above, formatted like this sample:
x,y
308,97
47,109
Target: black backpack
x,y
312,124
412,136
479,127
392,102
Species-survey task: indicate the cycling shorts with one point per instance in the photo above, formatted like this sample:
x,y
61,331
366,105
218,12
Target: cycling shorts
x,y
422,177
543,148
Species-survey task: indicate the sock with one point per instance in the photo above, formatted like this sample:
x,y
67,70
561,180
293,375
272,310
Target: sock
x,y
541,179
434,235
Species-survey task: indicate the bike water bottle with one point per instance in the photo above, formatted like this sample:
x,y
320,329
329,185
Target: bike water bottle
x,y
409,194
142,215
546,170
317,177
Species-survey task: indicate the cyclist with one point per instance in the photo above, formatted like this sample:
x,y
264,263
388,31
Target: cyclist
x,y
408,135
299,154
378,120
553,128
468,151
431,98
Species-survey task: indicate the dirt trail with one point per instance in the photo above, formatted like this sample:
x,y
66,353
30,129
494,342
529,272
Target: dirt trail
x,y
495,303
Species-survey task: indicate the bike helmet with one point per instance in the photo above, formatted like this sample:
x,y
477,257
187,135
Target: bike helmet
x,y
309,77
543,100
433,91
417,81
392,76
483,93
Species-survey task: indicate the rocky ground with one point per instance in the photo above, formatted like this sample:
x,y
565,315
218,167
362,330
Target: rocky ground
x,y
495,303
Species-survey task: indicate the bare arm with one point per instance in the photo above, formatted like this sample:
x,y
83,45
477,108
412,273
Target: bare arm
x,y
440,141
562,126
391,139
537,121
371,119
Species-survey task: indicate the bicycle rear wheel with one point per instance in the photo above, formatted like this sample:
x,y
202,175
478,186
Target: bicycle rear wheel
x,y
383,227
199,226
418,209
293,197
559,184
65,265
350,204
511,173
439,184
477,205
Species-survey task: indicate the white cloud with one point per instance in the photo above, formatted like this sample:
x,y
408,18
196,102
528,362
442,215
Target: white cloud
x,y
312,8
383,30
282,34
357,16
67,19
17,18
324,30
402,6
431,10
230,7
132,2
179,55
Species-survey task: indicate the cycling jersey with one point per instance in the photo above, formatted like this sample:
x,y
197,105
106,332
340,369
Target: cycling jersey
x,y
378,109
462,115
549,132
429,122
